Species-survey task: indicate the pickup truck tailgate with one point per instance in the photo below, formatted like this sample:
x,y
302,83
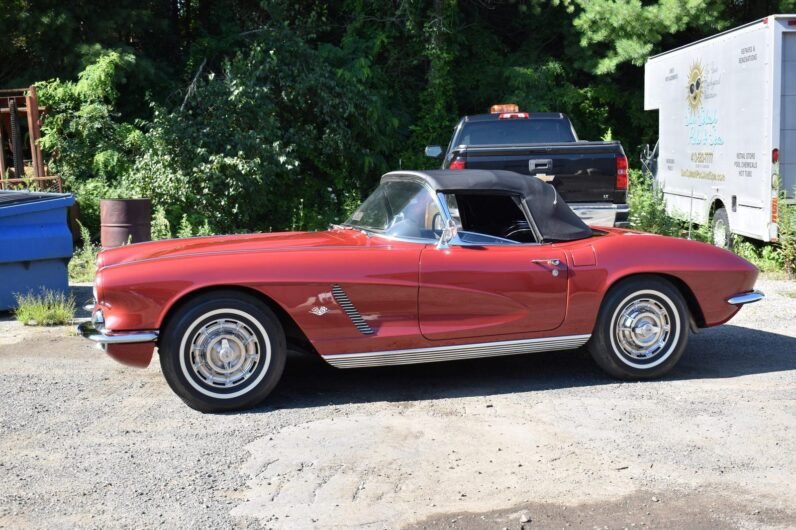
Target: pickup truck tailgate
x,y
582,171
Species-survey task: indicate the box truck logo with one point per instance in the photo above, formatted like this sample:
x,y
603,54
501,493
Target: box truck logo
x,y
701,122
695,86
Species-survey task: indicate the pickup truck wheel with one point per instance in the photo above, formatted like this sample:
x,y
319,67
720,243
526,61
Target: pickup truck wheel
x,y
223,351
721,228
642,329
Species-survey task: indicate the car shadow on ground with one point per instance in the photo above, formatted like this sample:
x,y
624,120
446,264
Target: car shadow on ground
x,y
726,351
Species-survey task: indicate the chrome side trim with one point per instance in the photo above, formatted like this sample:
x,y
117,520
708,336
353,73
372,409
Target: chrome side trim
x,y
745,298
100,336
343,301
452,353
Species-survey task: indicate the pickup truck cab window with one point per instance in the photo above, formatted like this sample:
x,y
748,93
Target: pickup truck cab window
x,y
515,132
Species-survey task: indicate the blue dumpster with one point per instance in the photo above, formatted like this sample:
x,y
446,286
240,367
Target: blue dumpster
x,y
35,243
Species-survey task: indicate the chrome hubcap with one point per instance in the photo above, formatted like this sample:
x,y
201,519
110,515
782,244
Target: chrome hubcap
x,y
225,352
643,328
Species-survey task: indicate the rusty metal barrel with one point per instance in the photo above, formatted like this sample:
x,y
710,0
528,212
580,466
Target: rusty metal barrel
x,y
124,221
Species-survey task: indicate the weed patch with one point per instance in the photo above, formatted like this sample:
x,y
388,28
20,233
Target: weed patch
x,y
48,308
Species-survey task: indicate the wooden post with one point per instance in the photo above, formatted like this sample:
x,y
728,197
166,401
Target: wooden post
x,y
33,131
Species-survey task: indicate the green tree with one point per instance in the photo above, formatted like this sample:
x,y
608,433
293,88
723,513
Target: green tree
x,y
83,138
277,131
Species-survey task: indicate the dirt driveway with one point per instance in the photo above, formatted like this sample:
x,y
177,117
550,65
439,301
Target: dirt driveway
x,y
536,441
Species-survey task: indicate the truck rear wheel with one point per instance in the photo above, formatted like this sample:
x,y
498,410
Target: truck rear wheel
x,y
721,228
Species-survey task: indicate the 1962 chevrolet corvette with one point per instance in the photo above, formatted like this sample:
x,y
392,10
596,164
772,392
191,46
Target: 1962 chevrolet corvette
x,y
433,266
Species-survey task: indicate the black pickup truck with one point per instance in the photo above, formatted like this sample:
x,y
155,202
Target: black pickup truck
x,y
590,176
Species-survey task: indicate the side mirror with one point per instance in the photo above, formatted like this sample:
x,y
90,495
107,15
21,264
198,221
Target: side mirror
x,y
433,151
448,234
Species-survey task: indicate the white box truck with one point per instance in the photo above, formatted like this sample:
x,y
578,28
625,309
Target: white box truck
x,y
727,127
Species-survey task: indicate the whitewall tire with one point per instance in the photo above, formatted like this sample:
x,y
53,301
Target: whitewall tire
x,y
223,351
642,329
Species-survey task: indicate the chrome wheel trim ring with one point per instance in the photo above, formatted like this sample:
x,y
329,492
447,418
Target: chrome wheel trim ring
x,y
643,328
213,361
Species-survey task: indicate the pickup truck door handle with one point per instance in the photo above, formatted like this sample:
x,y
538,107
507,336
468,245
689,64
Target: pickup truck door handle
x,y
533,165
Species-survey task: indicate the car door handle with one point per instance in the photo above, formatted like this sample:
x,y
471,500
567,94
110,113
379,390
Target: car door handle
x,y
555,262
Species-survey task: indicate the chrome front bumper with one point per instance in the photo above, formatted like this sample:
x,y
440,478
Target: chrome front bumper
x,y
601,213
745,298
94,330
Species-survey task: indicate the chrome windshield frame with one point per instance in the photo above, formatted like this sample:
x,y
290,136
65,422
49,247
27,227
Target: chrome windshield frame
x,y
417,179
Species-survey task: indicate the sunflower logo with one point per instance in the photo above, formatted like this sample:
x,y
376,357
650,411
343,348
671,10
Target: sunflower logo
x,y
695,84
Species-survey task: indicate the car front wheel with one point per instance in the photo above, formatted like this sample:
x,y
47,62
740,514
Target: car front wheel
x,y
642,329
223,351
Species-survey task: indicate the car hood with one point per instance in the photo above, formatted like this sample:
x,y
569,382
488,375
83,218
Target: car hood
x,y
170,248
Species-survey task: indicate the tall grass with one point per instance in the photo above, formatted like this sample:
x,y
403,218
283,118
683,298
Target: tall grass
x,y
47,308
84,261
786,221
647,209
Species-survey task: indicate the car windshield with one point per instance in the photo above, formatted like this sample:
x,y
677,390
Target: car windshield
x,y
399,209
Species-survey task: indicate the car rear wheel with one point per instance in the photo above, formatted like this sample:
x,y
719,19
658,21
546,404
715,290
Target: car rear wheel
x,y
223,351
642,329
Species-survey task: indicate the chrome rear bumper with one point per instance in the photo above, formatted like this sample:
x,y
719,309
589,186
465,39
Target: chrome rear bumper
x,y
745,298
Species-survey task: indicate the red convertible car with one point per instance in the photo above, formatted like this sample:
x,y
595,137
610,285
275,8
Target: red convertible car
x,y
433,266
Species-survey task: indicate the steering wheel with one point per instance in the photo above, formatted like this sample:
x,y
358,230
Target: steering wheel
x,y
521,229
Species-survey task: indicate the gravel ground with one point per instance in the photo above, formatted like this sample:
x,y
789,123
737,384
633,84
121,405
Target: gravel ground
x,y
536,441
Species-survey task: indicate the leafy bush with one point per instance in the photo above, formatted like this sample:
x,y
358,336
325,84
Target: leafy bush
x,y
765,257
787,235
48,308
548,87
187,229
82,135
88,195
83,138
278,129
647,207
161,228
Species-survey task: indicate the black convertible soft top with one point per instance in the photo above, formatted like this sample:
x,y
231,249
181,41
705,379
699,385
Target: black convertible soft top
x,y
552,216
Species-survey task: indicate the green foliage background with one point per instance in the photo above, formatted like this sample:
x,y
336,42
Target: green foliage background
x,y
275,114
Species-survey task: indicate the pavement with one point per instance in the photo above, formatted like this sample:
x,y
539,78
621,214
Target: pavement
x,y
535,441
